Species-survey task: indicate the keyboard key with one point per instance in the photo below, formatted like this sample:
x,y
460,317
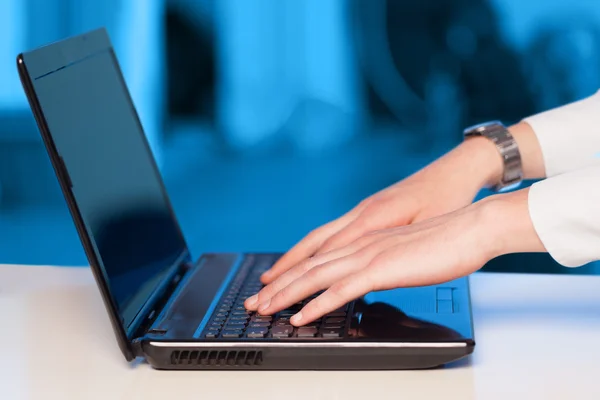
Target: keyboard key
x,y
229,334
287,313
242,317
254,324
261,318
305,332
212,333
239,318
335,320
221,315
337,314
312,325
257,332
243,313
284,331
235,325
216,325
331,333
237,321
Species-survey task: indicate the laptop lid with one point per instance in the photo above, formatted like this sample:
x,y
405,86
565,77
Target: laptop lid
x,y
108,174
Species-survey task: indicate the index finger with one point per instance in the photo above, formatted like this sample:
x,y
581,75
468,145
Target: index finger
x,y
338,295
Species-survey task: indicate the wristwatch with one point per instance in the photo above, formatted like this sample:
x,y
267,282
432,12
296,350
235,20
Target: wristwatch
x,y
508,149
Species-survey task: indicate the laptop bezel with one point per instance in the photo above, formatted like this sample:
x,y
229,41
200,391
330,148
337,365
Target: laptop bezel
x,y
86,42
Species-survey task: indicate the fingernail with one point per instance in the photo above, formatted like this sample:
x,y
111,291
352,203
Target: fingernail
x,y
296,318
252,300
264,306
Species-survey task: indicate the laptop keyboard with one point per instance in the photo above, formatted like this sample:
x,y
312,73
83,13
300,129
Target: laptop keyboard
x,y
231,320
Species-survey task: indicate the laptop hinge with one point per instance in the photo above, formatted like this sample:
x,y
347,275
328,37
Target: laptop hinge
x,y
136,347
147,319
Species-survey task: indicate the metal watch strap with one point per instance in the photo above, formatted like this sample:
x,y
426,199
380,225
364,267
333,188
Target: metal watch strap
x,y
508,149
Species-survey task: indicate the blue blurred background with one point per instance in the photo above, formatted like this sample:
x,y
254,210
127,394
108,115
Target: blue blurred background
x,y
271,117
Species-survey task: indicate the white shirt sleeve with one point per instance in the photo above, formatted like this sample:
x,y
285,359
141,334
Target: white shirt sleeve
x,y
565,211
569,136
565,208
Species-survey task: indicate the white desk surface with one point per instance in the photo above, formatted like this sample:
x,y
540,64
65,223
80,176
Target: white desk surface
x,y
538,337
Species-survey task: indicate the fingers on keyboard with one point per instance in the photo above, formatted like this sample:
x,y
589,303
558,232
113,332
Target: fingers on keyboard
x,y
232,320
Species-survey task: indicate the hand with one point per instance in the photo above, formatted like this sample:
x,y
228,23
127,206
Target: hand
x,y
446,185
429,252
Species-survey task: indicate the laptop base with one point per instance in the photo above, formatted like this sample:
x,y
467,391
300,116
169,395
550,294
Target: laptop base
x,y
174,356
411,328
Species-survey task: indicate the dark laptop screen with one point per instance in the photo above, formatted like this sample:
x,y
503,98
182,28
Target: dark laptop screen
x,y
115,182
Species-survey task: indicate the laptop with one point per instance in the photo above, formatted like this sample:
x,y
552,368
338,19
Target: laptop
x,y
181,313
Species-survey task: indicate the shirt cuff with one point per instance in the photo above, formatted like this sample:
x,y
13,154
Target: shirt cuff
x,y
566,216
569,136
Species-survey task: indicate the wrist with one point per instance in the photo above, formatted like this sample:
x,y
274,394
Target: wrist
x,y
484,162
471,166
483,159
476,163
505,220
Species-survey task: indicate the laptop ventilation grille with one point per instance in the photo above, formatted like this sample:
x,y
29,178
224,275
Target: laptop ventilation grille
x,y
217,358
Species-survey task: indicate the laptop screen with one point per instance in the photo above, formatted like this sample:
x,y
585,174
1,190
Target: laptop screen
x,y
114,178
